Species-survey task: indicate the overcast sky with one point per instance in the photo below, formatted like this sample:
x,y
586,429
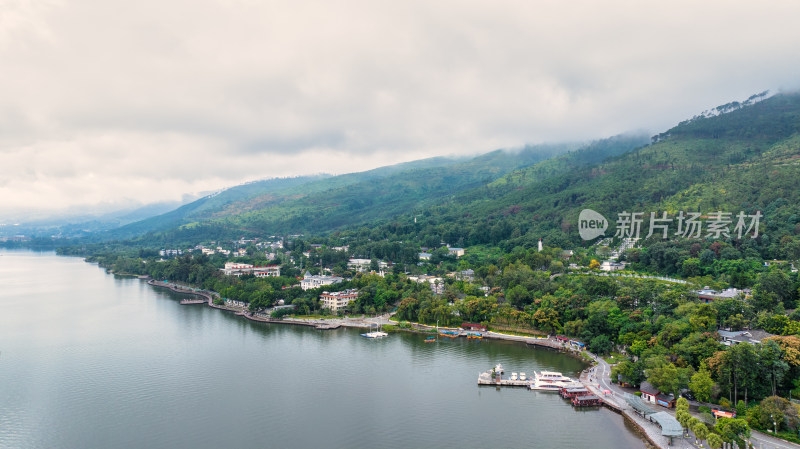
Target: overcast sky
x,y
107,101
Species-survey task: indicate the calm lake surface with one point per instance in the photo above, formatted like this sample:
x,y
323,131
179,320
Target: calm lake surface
x,y
91,360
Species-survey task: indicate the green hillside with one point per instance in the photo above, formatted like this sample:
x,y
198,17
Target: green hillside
x,y
250,194
352,200
743,160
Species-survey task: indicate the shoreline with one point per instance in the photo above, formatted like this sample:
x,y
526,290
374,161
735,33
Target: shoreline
x,y
365,322
647,431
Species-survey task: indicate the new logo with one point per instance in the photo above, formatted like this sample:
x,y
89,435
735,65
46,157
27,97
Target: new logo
x,y
591,224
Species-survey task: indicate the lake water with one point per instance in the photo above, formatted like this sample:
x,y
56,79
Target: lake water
x,y
92,360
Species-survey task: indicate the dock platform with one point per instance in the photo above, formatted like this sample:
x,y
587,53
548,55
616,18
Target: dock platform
x,y
505,382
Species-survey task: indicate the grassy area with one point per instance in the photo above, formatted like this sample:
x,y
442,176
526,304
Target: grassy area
x,y
789,436
518,333
615,357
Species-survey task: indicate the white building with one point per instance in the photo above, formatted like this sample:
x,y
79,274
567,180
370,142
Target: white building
x,y
309,281
238,269
266,271
336,301
608,265
360,265
458,252
363,265
436,283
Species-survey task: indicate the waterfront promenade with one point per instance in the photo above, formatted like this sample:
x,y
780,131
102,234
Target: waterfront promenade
x,y
598,379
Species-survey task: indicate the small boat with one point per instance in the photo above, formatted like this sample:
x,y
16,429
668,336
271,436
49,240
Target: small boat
x,y
449,334
522,376
430,340
375,334
513,376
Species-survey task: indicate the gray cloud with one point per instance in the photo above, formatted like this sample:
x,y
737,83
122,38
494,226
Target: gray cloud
x,y
105,101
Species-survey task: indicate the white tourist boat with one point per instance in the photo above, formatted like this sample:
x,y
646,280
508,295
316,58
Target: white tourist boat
x,y
513,376
551,381
551,376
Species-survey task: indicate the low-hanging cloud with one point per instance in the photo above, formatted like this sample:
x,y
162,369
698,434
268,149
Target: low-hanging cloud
x,y
104,100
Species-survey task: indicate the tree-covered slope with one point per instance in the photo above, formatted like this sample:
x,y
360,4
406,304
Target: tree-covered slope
x,y
746,159
352,200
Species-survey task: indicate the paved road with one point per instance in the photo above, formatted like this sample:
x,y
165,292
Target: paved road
x,y
602,377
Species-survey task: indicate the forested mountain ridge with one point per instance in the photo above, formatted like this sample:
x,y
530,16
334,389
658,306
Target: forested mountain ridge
x,y
743,160
263,194
352,200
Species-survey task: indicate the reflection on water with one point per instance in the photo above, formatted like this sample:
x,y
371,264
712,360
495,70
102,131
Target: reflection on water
x,y
94,360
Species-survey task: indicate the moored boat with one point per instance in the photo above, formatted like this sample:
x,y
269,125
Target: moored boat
x,y
551,381
375,334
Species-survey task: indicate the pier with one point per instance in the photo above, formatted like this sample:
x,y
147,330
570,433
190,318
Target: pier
x,y
580,393
504,382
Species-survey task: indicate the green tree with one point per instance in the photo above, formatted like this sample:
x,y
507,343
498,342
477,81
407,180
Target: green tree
x,y
683,417
637,347
733,430
681,404
700,431
714,441
601,345
668,378
518,296
773,287
628,371
702,384
773,369
741,408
